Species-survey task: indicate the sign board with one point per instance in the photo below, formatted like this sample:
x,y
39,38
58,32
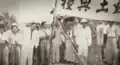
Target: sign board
x,y
92,9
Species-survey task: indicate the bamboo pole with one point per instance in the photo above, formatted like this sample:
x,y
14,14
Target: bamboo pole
x,y
74,48
65,35
54,19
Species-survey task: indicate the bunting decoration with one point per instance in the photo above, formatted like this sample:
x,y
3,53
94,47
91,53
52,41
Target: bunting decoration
x,y
103,4
84,4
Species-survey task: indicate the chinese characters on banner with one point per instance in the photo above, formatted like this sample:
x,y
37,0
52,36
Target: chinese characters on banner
x,y
94,9
117,7
84,4
103,4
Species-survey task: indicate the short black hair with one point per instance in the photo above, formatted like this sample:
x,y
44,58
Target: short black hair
x,y
14,26
43,23
33,23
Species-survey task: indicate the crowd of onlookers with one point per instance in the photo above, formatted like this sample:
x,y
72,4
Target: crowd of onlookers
x,y
37,45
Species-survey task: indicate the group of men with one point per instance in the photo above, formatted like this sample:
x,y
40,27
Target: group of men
x,y
108,36
20,44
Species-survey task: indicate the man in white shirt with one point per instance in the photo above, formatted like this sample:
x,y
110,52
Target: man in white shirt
x,y
83,39
30,40
56,42
13,39
111,46
26,47
100,33
112,32
44,42
105,27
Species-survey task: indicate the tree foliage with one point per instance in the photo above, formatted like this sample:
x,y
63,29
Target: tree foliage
x,y
7,19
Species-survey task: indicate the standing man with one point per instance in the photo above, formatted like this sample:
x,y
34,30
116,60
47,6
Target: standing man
x,y
83,39
105,27
34,42
100,33
44,43
118,43
111,46
56,42
26,46
30,39
13,38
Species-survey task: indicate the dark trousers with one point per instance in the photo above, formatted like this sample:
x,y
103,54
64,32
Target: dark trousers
x,y
14,55
104,45
44,51
118,54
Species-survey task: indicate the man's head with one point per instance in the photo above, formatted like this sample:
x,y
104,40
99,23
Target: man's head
x,y
100,22
33,26
43,24
118,24
14,28
84,22
106,22
38,26
111,23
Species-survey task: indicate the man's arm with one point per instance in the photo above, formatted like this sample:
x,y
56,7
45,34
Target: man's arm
x,y
89,37
6,37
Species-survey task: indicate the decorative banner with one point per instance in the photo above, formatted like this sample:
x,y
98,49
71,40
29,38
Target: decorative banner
x,y
93,9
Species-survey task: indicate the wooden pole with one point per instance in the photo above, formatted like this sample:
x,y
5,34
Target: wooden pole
x,y
74,47
54,19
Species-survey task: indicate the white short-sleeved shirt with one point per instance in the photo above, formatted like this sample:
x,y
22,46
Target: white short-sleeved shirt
x,y
43,32
35,38
100,28
48,31
26,37
111,31
105,28
58,36
36,35
12,38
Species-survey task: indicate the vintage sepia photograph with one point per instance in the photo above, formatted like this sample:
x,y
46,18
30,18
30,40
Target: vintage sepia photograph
x,y
59,32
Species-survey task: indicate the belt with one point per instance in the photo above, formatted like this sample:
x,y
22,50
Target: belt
x,y
44,38
16,45
111,37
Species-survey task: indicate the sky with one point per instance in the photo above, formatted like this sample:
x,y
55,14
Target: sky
x,y
39,10
28,10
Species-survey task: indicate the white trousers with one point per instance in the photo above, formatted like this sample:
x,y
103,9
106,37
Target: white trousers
x,y
55,53
27,54
115,45
100,39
